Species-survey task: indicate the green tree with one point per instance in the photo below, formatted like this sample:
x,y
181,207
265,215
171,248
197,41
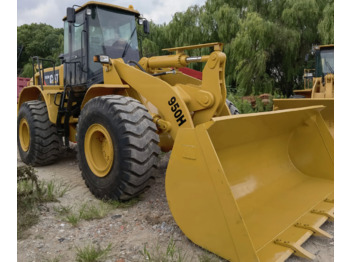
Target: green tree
x,y
326,25
38,40
251,49
153,43
226,21
184,28
265,41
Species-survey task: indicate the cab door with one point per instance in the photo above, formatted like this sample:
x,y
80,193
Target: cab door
x,y
75,51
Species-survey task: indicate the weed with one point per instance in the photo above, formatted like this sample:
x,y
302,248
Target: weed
x,y
124,204
30,194
87,211
27,216
145,253
73,219
63,210
50,188
90,212
91,253
171,254
209,257
53,190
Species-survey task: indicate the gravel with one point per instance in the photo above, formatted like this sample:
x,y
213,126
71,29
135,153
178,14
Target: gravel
x,y
147,224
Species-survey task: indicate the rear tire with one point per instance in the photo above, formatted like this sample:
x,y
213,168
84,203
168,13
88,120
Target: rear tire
x,y
122,163
37,139
232,108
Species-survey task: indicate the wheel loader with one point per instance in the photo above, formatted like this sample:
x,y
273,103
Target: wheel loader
x,y
248,187
318,86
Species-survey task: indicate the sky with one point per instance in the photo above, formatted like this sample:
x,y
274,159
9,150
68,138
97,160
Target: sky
x,y
52,11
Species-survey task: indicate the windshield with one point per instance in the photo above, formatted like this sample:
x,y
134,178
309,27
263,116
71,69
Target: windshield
x,y
112,33
327,61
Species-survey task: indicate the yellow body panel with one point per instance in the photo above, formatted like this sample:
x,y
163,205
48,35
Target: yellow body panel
x,y
327,113
102,90
306,92
48,95
237,191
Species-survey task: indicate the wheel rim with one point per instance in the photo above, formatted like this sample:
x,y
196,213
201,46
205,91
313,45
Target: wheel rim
x,y
98,147
24,134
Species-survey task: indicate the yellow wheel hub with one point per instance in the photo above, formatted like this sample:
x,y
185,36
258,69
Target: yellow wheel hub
x,y
24,134
98,147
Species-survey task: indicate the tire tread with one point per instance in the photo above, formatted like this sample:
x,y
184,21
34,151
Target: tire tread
x,y
139,151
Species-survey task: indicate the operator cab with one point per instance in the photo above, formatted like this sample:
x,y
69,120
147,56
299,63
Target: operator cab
x,y
98,29
324,60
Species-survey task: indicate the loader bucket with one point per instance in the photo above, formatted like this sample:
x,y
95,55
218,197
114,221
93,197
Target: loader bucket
x,y
253,187
327,113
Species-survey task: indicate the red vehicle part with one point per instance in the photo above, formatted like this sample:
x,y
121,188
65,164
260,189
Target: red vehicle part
x,y
191,72
21,83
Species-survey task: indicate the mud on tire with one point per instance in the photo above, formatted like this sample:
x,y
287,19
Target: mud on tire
x,y
43,145
134,143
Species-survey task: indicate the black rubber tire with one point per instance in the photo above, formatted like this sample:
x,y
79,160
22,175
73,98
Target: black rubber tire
x,y
45,144
232,108
135,145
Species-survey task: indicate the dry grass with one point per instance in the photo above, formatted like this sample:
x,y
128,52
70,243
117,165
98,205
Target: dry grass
x,y
31,195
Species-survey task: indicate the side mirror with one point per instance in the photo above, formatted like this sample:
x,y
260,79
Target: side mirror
x,y
70,15
61,57
146,26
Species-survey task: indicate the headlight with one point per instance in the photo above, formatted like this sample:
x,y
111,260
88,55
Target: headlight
x,y
101,58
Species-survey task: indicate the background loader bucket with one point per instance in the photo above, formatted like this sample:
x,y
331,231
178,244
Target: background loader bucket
x,y
327,113
253,187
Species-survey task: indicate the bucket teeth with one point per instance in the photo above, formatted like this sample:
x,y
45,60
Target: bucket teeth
x,y
328,213
330,199
325,208
291,240
316,230
298,250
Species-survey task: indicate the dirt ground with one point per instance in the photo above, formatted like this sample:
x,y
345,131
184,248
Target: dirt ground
x,y
148,223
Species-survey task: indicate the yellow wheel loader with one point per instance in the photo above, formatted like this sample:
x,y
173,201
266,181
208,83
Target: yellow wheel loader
x,y
318,87
249,187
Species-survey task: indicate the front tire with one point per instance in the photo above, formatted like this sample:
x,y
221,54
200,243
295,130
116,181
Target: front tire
x,y
232,108
117,147
37,139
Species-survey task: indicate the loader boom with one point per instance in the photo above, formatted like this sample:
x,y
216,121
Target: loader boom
x,y
180,105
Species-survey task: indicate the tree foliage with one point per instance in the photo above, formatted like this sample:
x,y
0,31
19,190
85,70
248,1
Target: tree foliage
x,y
265,41
37,40
326,25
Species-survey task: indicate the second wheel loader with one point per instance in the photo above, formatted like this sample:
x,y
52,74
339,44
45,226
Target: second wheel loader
x,y
245,187
318,87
